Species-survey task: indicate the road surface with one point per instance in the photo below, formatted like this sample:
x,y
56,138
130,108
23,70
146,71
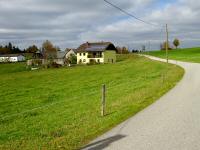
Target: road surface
x,y
171,123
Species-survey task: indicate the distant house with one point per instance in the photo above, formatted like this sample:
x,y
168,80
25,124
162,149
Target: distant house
x,y
12,58
60,58
70,52
101,52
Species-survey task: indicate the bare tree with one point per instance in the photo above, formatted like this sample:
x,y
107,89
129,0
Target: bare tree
x,y
49,50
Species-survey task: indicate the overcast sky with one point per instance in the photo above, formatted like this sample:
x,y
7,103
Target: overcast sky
x,y
68,23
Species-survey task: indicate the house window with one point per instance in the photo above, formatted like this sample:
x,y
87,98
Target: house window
x,y
83,54
84,60
98,60
80,61
80,54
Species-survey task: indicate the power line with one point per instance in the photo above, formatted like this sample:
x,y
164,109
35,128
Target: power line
x,y
129,14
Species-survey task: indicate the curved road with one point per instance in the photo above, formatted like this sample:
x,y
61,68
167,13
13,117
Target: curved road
x,y
171,123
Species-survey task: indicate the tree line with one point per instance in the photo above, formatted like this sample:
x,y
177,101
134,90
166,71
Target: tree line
x,y
47,47
122,50
49,50
9,49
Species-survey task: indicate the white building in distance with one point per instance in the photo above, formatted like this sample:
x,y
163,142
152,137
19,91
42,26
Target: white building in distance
x,y
12,58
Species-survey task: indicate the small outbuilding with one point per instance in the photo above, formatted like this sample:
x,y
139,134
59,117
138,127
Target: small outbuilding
x,y
60,58
12,58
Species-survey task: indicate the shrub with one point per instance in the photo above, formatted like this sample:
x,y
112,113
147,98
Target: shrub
x,y
92,62
55,65
72,59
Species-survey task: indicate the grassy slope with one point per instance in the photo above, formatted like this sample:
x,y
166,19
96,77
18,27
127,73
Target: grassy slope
x,y
68,101
189,54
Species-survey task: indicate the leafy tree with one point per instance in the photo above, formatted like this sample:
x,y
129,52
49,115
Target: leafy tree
x,y
10,47
176,42
135,51
16,50
122,50
32,49
5,50
49,50
119,50
72,59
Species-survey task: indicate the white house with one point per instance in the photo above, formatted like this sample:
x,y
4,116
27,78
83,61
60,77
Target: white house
x,y
12,58
101,52
70,52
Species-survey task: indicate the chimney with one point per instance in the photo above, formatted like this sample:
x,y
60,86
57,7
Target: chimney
x,y
87,44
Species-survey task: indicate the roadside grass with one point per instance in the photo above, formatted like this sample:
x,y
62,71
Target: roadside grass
x,y
60,108
188,54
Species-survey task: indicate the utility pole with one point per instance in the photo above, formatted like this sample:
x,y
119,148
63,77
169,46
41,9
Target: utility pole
x,y
167,43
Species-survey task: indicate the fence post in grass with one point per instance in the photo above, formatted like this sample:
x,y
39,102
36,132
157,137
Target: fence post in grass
x,y
103,100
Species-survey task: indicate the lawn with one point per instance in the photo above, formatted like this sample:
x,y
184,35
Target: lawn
x,y
60,108
12,68
188,54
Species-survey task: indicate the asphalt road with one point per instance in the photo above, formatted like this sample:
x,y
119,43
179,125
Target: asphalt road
x,y
171,123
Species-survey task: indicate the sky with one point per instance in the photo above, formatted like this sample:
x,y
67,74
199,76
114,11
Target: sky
x,y
69,23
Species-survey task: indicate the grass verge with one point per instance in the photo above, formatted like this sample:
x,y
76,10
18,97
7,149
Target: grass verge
x,y
60,108
187,55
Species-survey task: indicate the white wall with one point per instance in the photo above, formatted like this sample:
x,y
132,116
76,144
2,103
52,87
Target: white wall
x,y
69,53
20,58
12,59
59,61
84,58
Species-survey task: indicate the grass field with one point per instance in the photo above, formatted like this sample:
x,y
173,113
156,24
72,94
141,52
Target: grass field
x,y
60,108
188,55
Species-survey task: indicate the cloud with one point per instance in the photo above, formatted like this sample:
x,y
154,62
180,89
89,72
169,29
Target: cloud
x,y
68,23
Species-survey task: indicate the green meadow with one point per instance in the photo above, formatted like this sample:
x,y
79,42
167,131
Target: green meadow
x,y
60,108
187,54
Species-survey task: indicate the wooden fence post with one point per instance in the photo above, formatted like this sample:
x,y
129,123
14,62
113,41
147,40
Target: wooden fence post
x,y
103,100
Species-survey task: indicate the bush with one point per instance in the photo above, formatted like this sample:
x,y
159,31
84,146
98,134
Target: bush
x,y
92,62
37,62
55,65
72,59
